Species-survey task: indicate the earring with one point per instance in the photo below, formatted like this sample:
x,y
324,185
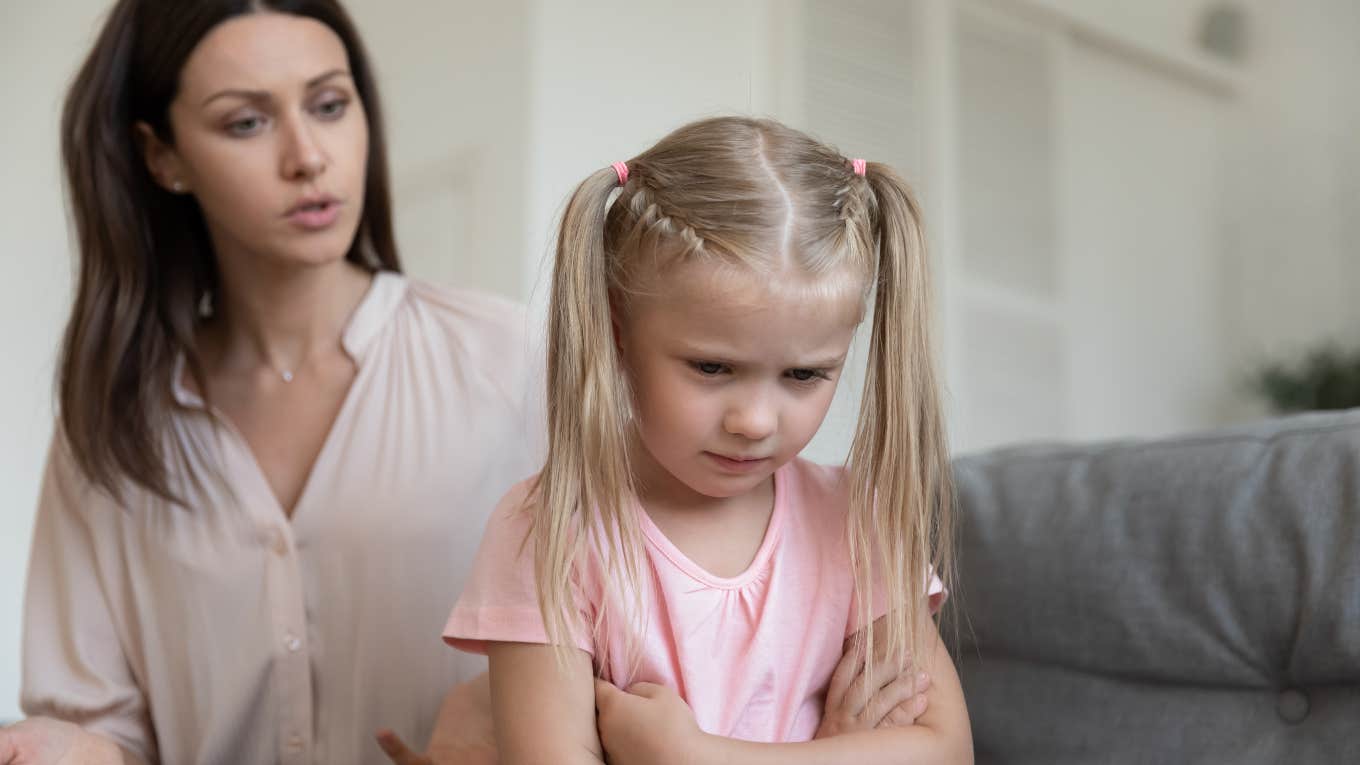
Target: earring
x,y
178,186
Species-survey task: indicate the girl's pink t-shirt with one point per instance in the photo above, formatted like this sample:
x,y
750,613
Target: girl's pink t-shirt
x,y
752,655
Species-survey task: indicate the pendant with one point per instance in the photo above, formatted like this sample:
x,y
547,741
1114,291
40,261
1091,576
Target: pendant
x,y
287,376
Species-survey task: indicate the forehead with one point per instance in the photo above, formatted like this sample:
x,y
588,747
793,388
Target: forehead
x,y
748,312
261,51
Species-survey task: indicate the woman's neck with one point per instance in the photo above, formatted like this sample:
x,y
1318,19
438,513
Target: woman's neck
x,y
281,318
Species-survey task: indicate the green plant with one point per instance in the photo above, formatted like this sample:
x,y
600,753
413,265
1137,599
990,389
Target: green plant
x,y
1326,378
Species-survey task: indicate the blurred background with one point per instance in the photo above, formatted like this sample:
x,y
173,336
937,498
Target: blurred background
x,y
1145,217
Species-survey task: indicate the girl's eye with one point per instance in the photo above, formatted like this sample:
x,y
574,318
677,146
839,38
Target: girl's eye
x,y
245,126
708,368
807,375
332,109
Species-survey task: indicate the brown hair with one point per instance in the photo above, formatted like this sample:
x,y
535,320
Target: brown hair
x,y
145,259
750,194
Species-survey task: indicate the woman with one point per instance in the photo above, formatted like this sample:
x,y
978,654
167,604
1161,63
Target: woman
x,y
275,454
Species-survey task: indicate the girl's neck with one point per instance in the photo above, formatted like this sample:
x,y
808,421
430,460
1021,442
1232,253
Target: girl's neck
x,y
721,535
282,317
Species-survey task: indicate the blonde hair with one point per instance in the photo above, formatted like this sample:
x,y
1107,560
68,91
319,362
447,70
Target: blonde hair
x,y
755,194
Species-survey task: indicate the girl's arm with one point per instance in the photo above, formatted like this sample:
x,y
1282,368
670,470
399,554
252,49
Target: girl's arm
x,y
652,725
544,711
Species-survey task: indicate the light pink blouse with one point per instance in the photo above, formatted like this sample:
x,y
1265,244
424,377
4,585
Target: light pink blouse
x,y
228,633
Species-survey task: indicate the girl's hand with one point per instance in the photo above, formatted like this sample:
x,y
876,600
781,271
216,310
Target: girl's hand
x,y
894,700
48,741
648,724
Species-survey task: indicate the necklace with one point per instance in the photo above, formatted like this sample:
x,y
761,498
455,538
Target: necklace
x,y
285,374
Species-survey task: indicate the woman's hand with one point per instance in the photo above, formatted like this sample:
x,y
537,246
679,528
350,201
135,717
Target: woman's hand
x,y
648,724
48,741
894,699
464,733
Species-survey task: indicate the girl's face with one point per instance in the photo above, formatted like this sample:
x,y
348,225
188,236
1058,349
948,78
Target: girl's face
x,y
730,378
271,139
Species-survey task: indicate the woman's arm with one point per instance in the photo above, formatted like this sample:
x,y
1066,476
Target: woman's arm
x,y
652,725
544,710
48,741
78,687
463,734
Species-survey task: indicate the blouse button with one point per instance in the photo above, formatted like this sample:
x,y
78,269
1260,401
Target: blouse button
x,y
293,643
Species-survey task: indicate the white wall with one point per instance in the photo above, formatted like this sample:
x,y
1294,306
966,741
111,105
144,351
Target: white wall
x,y
1291,161
610,77
40,46
455,84
1293,191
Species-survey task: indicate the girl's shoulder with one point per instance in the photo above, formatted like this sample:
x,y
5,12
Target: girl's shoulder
x,y
815,490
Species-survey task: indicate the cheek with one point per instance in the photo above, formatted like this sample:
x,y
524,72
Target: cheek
x,y
347,146
234,182
810,412
669,404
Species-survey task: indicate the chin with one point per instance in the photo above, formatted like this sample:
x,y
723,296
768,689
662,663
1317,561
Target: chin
x,y
729,486
313,254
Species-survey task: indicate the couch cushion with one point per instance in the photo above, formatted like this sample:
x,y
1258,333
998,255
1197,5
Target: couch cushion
x,y
1193,599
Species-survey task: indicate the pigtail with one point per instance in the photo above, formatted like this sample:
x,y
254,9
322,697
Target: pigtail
x,y
901,493
581,494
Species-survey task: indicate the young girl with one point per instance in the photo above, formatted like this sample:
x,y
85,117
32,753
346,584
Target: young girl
x,y
674,544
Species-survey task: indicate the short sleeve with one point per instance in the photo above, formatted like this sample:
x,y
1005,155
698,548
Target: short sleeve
x,y
74,666
500,601
936,595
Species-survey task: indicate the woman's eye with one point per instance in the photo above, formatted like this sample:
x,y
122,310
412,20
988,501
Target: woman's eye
x,y
708,367
245,126
332,109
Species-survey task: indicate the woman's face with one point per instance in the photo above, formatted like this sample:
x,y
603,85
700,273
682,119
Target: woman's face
x,y
271,139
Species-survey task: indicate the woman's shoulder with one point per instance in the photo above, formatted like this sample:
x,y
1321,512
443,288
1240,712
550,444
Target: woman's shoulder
x,y
467,308
479,324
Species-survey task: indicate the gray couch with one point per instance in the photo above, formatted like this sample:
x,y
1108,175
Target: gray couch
x,y
1188,600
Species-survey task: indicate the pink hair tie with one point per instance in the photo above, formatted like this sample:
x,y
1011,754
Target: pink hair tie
x,y
859,165
621,169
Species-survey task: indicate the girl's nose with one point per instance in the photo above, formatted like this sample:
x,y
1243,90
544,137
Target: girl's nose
x,y
753,418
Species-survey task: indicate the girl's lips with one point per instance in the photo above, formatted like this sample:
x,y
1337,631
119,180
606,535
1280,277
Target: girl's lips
x,y
735,465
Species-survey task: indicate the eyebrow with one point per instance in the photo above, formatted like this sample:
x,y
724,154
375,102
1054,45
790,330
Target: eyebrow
x,y
824,363
720,358
263,95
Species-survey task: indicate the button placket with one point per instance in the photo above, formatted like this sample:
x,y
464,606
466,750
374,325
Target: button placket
x,y
292,670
